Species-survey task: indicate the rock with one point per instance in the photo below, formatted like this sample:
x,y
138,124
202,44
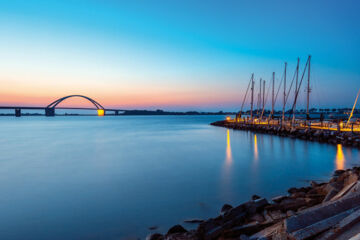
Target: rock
x,y
278,199
313,184
208,225
330,195
298,195
255,197
318,213
191,235
355,189
352,177
342,226
177,229
155,236
267,216
289,204
247,229
225,208
267,232
235,212
244,237
320,226
257,205
277,215
332,186
257,217
213,233
194,220
290,213
345,190
292,190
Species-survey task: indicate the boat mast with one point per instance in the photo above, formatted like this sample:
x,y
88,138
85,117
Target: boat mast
x,y
252,96
308,89
263,103
352,111
247,90
296,87
273,93
283,113
259,103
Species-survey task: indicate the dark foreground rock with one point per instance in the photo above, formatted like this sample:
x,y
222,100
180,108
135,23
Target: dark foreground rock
x,y
328,210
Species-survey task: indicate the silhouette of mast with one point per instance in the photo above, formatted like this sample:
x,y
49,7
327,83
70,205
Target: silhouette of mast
x,y
252,96
296,88
263,100
283,113
308,89
243,102
273,93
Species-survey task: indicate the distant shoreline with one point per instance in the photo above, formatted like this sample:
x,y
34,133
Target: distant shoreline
x,y
133,113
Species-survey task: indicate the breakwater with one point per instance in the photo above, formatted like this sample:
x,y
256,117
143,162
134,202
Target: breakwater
x,y
328,210
347,138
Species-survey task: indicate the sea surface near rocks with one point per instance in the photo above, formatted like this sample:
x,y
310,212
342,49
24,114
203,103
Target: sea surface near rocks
x,y
114,177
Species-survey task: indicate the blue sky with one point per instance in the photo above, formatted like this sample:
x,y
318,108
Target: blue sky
x,y
175,55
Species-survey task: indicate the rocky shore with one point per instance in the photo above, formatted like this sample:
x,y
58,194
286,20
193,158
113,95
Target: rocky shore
x,y
320,135
328,210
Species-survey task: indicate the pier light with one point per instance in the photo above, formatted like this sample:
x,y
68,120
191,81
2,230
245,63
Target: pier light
x,y
228,118
100,112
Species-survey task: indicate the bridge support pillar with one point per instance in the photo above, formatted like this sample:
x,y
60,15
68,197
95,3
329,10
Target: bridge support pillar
x,y
50,112
17,112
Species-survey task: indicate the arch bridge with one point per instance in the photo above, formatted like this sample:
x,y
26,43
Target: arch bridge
x,y
50,109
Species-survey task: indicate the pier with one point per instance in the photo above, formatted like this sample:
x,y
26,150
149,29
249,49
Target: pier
x,y
333,133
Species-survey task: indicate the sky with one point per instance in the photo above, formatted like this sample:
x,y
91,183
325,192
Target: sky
x,y
175,55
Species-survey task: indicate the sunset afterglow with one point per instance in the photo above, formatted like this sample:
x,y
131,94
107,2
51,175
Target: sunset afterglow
x,y
177,55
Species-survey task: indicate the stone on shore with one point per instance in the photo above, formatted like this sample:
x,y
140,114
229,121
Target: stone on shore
x,y
319,211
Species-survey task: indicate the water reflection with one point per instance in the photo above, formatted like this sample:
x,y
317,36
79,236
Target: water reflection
x,y
228,159
226,179
256,153
340,158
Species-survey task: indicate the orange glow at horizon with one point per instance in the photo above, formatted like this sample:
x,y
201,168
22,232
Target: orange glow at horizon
x,y
32,92
340,158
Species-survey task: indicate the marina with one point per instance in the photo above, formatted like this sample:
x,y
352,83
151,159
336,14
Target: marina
x,y
332,127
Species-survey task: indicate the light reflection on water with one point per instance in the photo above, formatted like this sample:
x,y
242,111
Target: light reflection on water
x,y
340,158
256,153
113,177
228,149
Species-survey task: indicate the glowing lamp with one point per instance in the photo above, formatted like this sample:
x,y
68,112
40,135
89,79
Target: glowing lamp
x,y
228,118
101,112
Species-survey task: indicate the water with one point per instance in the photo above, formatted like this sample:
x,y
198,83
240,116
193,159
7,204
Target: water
x,y
113,177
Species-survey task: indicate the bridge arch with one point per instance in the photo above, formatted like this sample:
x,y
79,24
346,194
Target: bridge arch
x,y
56,102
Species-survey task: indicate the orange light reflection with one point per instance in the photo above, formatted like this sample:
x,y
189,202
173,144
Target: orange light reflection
x,y
256,153
228,159
340,158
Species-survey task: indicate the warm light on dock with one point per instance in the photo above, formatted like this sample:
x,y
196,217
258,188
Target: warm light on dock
x,y
101,112
228,118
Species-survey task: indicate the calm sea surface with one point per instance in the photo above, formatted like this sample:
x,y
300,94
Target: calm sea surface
x,y
114,177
